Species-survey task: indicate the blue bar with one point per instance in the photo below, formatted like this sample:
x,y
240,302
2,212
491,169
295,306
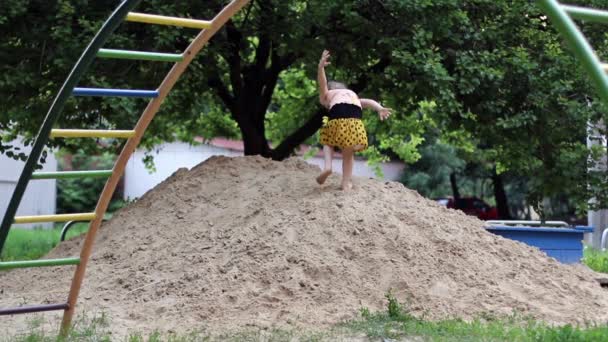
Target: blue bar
x,y
114,92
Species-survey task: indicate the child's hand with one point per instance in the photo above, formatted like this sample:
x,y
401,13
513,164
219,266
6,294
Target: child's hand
x,y
384,113
324,59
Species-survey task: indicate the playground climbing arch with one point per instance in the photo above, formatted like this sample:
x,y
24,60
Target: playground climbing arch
x,y
123,12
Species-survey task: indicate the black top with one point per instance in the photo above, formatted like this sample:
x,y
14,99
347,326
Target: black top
x,y
345,111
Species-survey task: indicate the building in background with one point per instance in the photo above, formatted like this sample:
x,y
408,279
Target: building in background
x,y
172,156
41,195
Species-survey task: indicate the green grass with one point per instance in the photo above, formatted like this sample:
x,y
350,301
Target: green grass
x,y
397,324
89,328
595,259
394,324
30,244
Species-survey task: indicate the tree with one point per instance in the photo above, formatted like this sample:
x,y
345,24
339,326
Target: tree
x,y
490,78
242,66
525,101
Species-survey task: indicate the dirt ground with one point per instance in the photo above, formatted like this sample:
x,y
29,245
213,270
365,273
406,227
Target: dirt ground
x,y
248,242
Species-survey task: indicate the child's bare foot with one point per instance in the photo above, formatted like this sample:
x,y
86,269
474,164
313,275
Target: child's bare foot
x,y
347,186
323,176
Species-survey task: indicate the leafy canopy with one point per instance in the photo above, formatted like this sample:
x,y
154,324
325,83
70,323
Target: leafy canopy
x,y
492,79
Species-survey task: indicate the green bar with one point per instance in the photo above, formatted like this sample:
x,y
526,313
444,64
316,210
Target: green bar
x,y
38,263
140,55
71,174
578,44
587,14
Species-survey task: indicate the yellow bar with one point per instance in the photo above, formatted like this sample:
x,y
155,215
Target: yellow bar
x,y
90,133
173,21
55,218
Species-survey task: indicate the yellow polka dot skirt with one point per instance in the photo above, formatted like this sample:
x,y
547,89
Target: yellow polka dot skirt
x,y
344,133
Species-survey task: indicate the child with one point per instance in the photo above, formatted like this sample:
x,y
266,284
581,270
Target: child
x,y
344,128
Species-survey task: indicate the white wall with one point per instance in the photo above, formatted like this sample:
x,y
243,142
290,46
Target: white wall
x,y
40,196
170,157
391,170
167,159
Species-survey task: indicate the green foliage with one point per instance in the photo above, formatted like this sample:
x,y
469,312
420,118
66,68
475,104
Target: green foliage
x,y
395,323
493,79
149,163
30,244
374,159
595,259
78,195
430,175
294,101
86,327
395,310
311,153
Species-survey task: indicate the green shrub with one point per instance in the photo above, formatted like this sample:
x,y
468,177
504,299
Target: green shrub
x,y
595,259
81,194
30,244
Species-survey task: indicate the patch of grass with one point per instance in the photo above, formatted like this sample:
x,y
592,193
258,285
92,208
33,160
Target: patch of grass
x,y
88,328
98,328
30,244
595,259
397,324
394,324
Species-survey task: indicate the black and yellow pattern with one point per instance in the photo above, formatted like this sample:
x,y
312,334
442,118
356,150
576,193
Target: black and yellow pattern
x,y
344,133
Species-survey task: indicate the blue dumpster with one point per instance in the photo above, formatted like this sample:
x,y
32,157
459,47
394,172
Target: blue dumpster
x,y
563,244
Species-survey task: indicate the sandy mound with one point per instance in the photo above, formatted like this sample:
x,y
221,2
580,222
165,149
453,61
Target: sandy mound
x,y
247,241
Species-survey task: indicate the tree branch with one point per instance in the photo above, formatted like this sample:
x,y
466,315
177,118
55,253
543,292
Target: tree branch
x,y
222,92
290,143
233,57
262,52
364,78
271,76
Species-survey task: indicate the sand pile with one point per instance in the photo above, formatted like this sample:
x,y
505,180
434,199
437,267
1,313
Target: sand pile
x,y
247,241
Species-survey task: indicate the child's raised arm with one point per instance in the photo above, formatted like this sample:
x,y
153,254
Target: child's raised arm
x,y
384,113
321,79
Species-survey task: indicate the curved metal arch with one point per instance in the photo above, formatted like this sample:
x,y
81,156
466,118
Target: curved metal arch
x,y
148,114
579,44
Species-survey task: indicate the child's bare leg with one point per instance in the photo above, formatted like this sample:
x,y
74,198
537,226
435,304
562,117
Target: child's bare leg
x,y
327,152
347,168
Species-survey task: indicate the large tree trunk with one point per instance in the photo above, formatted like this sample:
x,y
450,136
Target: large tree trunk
x,y
253,134
254,141
500,195
455,192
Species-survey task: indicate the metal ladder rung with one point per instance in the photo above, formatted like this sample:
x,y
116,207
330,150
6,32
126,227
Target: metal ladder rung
x,y
114,92
140,55
54,218
588,14
33,308
71,174
164,20
91,133
7,265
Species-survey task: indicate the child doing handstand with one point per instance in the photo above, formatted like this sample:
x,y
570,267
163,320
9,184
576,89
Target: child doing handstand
x,y
344,128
